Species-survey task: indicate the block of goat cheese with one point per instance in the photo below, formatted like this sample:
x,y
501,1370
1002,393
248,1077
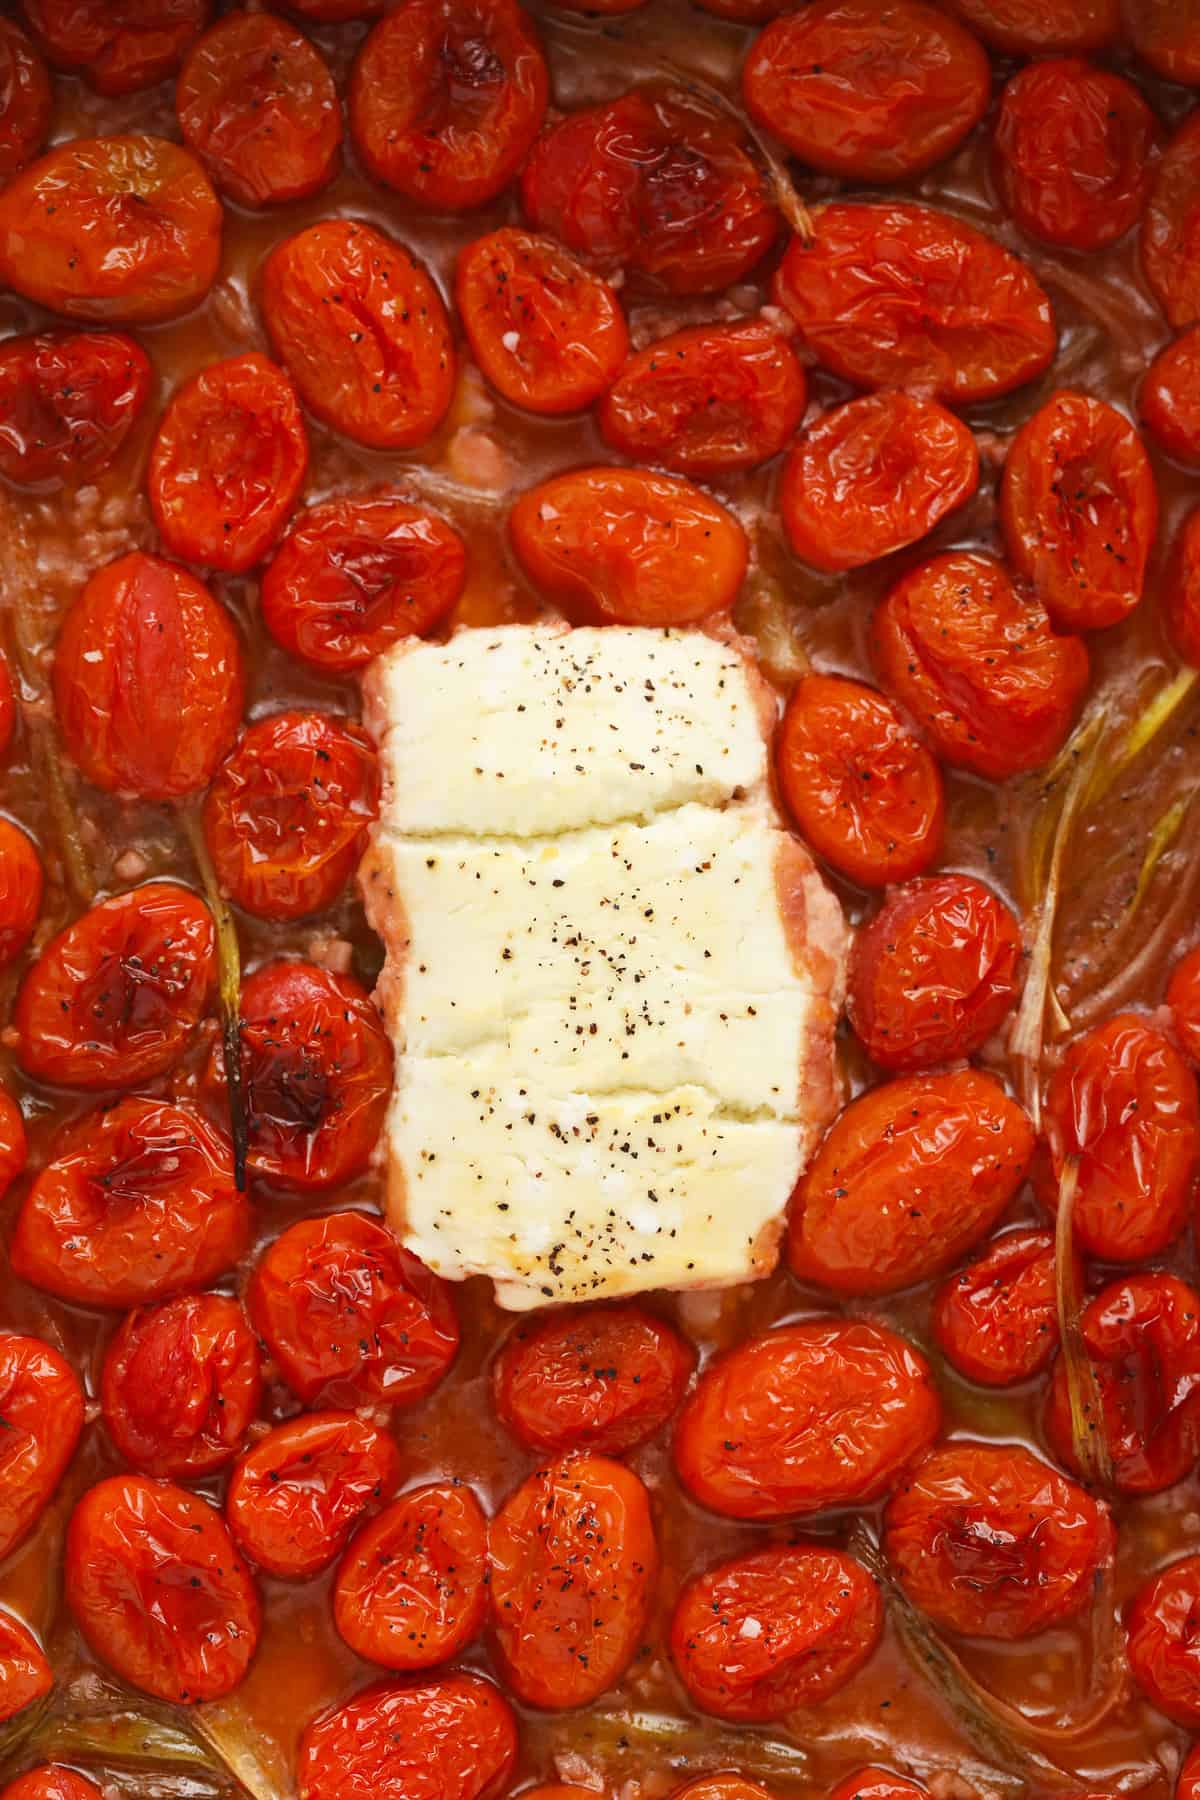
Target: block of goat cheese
x,y
612,976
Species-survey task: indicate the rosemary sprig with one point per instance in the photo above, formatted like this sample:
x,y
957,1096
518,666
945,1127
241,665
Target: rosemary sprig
x,y
230,963
1089,1438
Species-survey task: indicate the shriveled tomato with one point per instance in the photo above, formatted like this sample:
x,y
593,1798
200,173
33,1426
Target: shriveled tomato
x,y
1171,227
13,1147
51,1781
356,574
873,89
877,1784
1142,1338
726,1785
628,547
657,182
990,1541
978,665
1165,34
118,230
41,1404
294,1498
765,1633
228,463
810,1416
136,1202
21,884
350,1316
120,45
1162,1643
1041,27
860,785
1183,997
411,1590
572,1563
548,334
181,1384
591,1378
706,399
68,402
996,1321
114,999
1123,1103
1169,401
890,294
453,1737
25,1674
258,106
934,973
158,1589
26,102
148,679
1181,597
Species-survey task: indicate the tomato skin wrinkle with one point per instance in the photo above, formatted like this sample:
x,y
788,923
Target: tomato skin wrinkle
x,y
997,1319
21,887
52,1781
1169,226
411,1590
25,1673
1162,1641
1042,27
68,403
41,1403
446,1737
294,1498
27,103
121,46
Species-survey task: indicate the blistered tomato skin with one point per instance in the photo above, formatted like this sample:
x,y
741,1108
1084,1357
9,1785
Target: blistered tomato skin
x,y
21,885
451,1737
1162,1645
996,1321
1170,226
51,1781
991,1542
411,1591
68,403
13,1146
819,1616
1169,401
294,1497
874,91
628,547
26,101
754,1440
1042,27
1183,997
25,1674
41,1403
119,45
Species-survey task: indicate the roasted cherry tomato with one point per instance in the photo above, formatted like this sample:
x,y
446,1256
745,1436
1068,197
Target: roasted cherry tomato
x,y
26,101
446,99
1079,510
996,1321
658,183
158,1589
890,294
13,1147
725,1785
548,334
628,547
1182,590
878,1784
810,1416
1162,1644
350,1316
114,999
120,45
51,1781
1042,27
356,574
934,973
563,1638
25,1674
989,1541
1166,34
591,1378
68,402
118,230
780,1628
136,1202
411,1590
148,679
978,665
862,788
41,1404
362,331
181,1385
1123,1103
872,89
1171,225
295,1497
259,107
228,462
21,885
913,1174
1169,401
706,399
1183,997
453,1737
1142,1338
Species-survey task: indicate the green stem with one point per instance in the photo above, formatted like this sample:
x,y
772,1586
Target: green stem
x,y
230,963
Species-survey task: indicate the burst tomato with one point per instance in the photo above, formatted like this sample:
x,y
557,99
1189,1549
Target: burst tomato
x,y
1162,1645
68,403
13,1147
41,1404
25,1674
1183,997
51,1781
295,1497
21,885
453,1737
1169,401
411,1590
26,101
1042,27
1166,34
997,1320
119,45
1171,225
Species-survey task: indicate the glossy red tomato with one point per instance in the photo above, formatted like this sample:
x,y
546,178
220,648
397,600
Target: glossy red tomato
x,y
658,183
1171,227
362,331
356,574
935,973
863,789
25,1674
181,1385
120,45
136,1202
115,998
890,294
21,885
295,1497
1181,596
1162,1643
1165,34
996,1321
446,98
726,1785
51,1781
877,1784
978,665
118,230
228,463
1183,997
1169,401
548,334
777,1629
158,1589
871,89
1187,1784
628,547
26,101
411,1590
13,1147
601,1378
258,106
706,399
811,1416
1123,1102
41,1404
453,1737
1042,27
68,403
148,679
562,1639
990,1541
1079,510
